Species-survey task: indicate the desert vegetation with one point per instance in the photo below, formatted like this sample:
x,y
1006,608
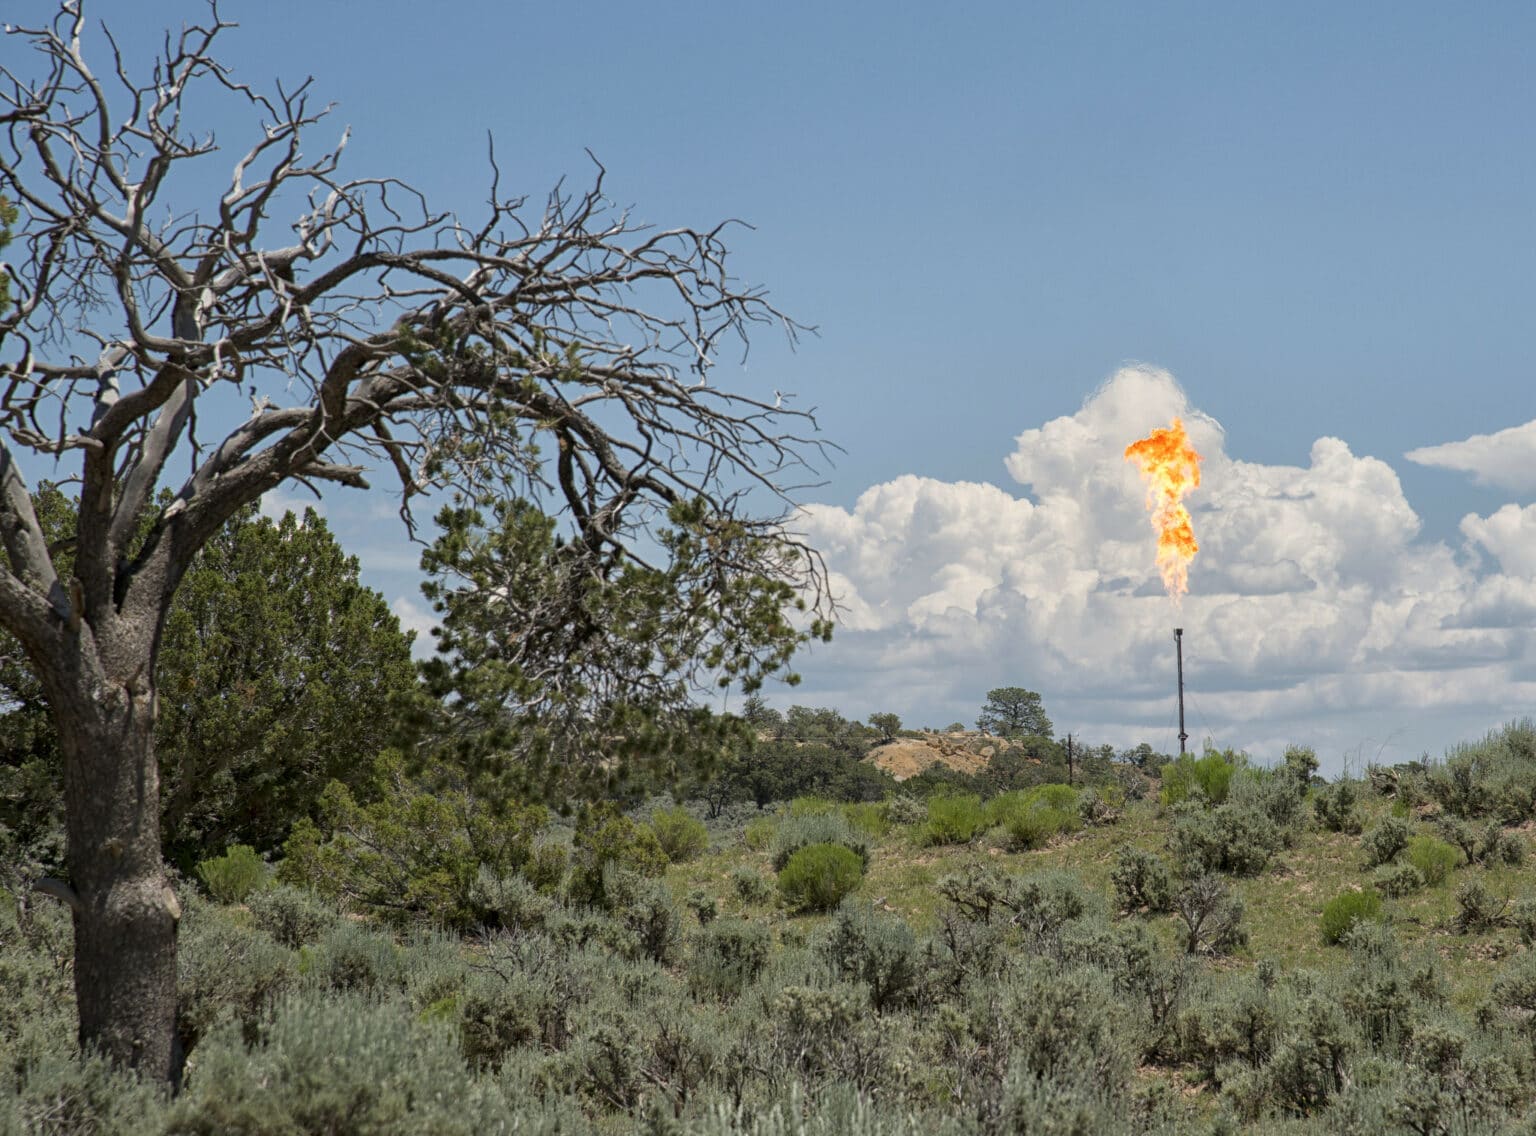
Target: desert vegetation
x,y
1197,945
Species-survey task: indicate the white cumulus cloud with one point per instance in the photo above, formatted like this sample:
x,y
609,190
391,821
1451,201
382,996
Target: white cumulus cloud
x,y
1316,613
1506,459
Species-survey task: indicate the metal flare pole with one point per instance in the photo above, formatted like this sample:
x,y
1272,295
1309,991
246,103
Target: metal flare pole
x,y
1178,640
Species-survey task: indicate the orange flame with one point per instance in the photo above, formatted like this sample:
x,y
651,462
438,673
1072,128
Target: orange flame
x,y
1171,468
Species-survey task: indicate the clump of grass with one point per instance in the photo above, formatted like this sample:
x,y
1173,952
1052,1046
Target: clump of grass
x,y
820,876
1029,818
953,820
1434,858
1342,912
230,878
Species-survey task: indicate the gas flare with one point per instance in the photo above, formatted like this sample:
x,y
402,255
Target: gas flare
x,y
1171,468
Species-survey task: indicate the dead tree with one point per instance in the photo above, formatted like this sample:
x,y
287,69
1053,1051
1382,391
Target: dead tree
x,y
557,352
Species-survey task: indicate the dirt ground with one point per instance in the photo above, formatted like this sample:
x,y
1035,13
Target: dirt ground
x,y
907,757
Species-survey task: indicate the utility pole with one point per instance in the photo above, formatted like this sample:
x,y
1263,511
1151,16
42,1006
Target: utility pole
x,y
1178,639
1069,759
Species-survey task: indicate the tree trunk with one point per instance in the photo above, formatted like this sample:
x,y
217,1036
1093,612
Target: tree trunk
x,y
126,913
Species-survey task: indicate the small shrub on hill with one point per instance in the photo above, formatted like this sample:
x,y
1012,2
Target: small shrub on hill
x,y
1397,880
726,957
1434,859
606,837
953,820
870,817
1212,916
648,919
880,951
820,876
351,956
795,833
1334,806
682,837
1030,817
1486,844
758,832
1208,777
1229,838
1383,842
751,886
1494,777
1478,909
906,809
1141,881
293,916
1101,805
232,877
1343,911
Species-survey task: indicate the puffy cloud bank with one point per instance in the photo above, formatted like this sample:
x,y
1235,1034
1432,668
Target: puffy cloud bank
x,y
1316,613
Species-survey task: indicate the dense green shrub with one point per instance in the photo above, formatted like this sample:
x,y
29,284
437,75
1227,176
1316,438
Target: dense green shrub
x,y
352,957
412,855
1343,911
877,950
1228,838
352,1065
1478,909
230,878
1212,916
1522,916
905,809
1208,778
607,838
1385,841
546,866
784,770
293,916
820,876
1434,859
1031,817
226,972
1486,844
953,819
1514,988
751,886
681,836
1141,881
510,902
1334,806
870,817
795,833
1397,880
757,833
645,913
1278,794
726,957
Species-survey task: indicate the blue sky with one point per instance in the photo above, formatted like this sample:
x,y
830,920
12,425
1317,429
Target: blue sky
x,y
1314,220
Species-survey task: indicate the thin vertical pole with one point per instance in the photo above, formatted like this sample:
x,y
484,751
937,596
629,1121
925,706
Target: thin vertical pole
x,y
1069,759
1178,639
